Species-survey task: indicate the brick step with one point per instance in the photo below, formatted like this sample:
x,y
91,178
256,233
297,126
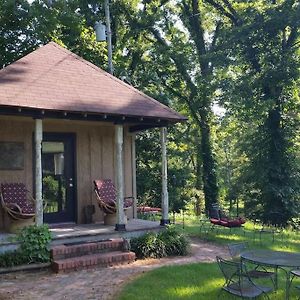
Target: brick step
x,y
88,261
86,248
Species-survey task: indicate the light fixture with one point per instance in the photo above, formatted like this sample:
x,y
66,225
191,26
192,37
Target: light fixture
x,y
103,33
100,30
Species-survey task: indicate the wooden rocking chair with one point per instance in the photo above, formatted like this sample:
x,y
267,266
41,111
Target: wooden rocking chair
x,y
106,194
17,201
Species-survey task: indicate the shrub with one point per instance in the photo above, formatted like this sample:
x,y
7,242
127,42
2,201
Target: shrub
x,y
175,243
34,243
10,259
167,243
148,245
33,249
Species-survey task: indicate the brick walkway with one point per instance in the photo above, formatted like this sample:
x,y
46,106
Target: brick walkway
x,y
95,283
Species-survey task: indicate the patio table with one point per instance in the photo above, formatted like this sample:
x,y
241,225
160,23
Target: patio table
x,y
276,259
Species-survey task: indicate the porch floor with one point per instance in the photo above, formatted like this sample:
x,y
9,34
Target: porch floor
x,y
60,231
76,233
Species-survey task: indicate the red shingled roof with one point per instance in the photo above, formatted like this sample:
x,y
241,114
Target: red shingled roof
x,y
53,78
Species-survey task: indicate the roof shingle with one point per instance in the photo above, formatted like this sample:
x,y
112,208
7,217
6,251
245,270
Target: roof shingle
x,y
53,78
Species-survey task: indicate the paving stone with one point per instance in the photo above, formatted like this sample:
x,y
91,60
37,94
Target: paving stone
x,y
95,283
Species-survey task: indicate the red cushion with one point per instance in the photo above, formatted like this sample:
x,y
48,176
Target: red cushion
x,y
16,193
242,221
215,221
148,209
231,223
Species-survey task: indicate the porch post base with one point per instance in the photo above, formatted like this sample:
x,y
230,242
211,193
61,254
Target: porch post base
x,y
120,227
164,222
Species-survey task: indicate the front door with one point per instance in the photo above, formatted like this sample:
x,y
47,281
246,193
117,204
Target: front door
x,y
58,161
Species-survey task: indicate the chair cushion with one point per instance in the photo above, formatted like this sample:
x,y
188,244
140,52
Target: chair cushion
x,y
16,193
148,209
106,191
107,194
230,223
242,220
215,221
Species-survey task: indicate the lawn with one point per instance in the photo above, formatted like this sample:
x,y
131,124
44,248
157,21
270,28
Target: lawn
x,y
203,280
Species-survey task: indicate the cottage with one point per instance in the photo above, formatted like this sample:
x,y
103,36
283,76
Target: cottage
x,y
64,122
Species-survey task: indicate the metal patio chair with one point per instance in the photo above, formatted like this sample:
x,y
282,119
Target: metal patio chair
x,y
235,249
17,201
107,195
269,228
237,281
292,275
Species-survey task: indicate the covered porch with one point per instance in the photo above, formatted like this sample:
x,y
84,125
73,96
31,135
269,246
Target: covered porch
x,y
74,123
71,234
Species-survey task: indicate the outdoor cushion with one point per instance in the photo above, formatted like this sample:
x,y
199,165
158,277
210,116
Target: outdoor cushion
x,y
146,209
215,221
230,223
15,201
107,196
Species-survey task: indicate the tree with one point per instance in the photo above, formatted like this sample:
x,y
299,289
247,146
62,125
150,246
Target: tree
x,y
17,36
183,69
261,55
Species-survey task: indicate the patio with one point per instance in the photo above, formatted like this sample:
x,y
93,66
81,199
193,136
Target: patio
x,y
98,283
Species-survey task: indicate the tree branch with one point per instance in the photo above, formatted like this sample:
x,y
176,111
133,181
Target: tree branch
x,y
222,10
194,23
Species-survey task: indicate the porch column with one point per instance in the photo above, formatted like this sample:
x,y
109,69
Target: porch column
x,y
38,134
120,226
133,168
164,170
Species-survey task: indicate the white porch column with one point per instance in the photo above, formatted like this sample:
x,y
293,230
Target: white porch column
x,y
120,226
133,168
38,134
164,170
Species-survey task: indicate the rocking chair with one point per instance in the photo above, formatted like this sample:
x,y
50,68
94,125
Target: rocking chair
x,y
106,194
17,201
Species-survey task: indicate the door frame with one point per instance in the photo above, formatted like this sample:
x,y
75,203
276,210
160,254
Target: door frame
x,y
55,136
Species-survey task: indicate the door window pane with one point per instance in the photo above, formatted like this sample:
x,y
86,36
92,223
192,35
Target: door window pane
x,y
54,182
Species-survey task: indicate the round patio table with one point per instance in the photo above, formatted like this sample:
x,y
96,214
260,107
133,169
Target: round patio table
x,y
276,259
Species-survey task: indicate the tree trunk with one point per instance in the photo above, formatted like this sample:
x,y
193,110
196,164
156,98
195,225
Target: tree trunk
x,y
209,176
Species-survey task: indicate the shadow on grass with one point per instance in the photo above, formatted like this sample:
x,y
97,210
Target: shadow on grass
x,y
286,241
201,281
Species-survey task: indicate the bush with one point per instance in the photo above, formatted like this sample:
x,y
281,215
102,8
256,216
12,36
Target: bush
x,y
33,249
148,245
175,243
10,259
167,243
34,243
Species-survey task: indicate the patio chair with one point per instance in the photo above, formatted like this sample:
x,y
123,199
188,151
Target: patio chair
x,y
235,250
17,201
292,275
106,194
217,216
269,227
237,281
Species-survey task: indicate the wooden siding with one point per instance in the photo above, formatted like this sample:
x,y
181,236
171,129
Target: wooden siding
x,y
94,156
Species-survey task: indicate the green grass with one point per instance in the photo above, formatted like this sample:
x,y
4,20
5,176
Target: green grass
x,y
204,280
194,281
